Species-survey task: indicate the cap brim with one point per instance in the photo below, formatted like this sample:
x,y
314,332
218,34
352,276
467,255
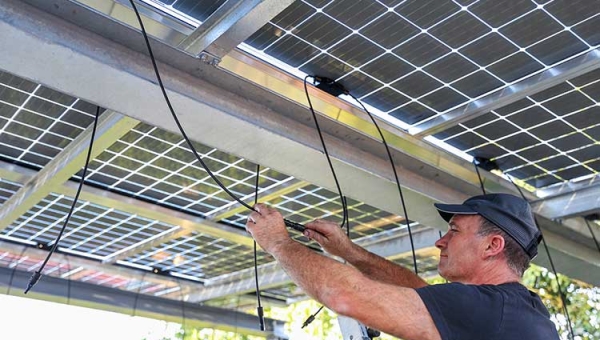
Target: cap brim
x,y
449,210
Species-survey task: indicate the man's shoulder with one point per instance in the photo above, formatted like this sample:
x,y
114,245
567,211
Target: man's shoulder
x,y
458,286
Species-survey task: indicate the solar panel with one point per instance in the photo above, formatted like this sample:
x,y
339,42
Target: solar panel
x,y
157,166
198,257
416,60
94,231
543,139
199,10
465,49
411,60
36,122
7,189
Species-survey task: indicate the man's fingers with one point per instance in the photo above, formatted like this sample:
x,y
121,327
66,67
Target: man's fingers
x,y
323,227
313,235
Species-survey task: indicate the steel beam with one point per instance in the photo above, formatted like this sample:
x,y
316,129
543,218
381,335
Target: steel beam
x,y
581,202
231,24
115,300
569,199
271,275
268,129
510,94
111,127
92,265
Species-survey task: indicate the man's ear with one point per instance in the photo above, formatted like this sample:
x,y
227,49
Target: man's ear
x,y
495,245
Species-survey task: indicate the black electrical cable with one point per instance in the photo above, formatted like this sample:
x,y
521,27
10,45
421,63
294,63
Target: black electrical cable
x,y
288,223
345,212
337,183
592,233
175,118
479,176
387,149
560,292
259,308
137,295
311,318
38,273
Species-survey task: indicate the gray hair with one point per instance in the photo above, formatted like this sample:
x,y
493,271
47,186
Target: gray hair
x,y
516,257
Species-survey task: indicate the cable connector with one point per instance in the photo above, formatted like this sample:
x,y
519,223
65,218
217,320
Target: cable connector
x,y
33,280
592,217
486,164
330,86
311,318
261,318
308,321
296,226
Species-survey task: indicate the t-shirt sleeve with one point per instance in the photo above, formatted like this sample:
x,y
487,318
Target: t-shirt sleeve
x,y
463,311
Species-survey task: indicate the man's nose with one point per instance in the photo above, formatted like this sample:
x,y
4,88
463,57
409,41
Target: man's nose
x,y
441,243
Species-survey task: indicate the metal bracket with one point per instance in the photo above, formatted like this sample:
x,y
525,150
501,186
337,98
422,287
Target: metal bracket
x,y
209,58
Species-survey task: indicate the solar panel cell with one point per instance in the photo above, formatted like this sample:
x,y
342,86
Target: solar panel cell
x,y
427,13
386,99
387,68
355,13
588,30
515,67
416,84
478,83
557,48
389,30
490,48
459,29
292,50
497,13
356,50
421,50
531,28
412,112
321,31
444,99
199,9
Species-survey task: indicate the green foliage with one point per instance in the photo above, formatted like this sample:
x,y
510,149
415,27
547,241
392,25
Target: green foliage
x,y
583,302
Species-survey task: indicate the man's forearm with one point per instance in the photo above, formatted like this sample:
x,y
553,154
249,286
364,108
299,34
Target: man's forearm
x,y
380,269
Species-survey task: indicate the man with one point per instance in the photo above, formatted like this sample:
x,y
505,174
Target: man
x,y
488,246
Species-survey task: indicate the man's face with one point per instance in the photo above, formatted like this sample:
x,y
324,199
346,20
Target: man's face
x,y
460,253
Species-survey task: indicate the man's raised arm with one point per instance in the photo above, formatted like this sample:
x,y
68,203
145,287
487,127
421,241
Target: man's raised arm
x,y
334,241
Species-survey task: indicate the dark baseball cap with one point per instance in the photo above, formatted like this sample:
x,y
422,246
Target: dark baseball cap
x,y
510,213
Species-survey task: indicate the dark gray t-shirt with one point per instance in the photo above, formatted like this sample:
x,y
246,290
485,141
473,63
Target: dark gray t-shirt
x,y
506,311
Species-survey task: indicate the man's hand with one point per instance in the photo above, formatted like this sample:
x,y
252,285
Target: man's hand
x,y
330,236
267,227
